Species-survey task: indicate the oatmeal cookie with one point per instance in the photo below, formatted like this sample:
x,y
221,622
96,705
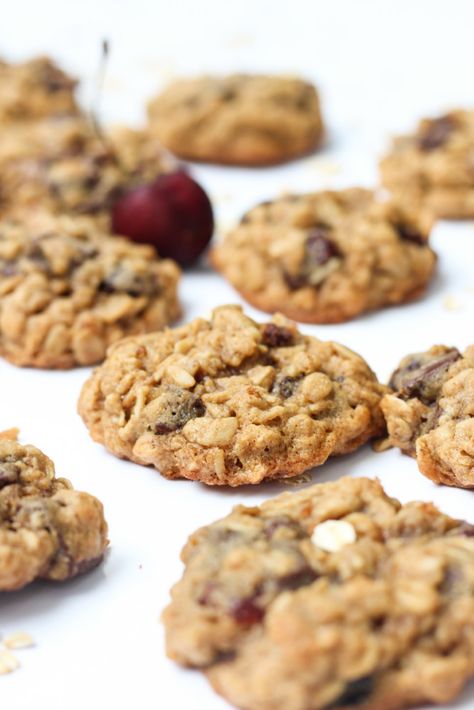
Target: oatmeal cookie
x,y
63,164
33,90
433,168
239,119
326,257
47,529
334,597
229,401
431,413
68,290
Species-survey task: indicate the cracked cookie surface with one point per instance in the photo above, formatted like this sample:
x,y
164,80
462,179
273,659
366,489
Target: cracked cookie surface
x,y
239,119
327,257
47,529
229,401
33,90
431,413
278,623
68,290
433,168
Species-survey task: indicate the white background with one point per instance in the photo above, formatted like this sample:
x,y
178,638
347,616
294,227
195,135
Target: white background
x,y
379,65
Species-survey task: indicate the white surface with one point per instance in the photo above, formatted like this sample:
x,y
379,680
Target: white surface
x,y
380,64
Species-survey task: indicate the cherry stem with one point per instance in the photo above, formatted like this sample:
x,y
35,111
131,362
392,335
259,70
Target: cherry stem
x,y
95,109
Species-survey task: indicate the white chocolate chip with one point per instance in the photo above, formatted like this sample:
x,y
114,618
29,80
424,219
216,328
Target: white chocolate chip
x,y
20,639
8,662
333,535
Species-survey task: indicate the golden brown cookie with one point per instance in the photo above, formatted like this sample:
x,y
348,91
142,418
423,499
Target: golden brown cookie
x,y
432,168
431,413
69,289
326,257
62,164
33,90
47,529
239,119
229,401
334,597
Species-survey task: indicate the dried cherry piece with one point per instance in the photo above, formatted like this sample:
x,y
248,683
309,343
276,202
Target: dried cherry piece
x,y
275,336
246,612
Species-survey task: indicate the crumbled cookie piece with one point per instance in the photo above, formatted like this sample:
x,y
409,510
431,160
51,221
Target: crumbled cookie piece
x,y
385,621
326,257
47,529
230,401
8,662
431,413
33,90
68,289
432,168
239,119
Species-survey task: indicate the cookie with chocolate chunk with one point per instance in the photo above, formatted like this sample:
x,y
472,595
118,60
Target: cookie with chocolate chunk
x,y
34,89
229,401
240,119
327,257
430,414
68,289
432,168
47,529
334,597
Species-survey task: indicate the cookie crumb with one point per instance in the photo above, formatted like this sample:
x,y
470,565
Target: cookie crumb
x,y
380,445
325,167
297,480
20,639
333,535
451,304
8,662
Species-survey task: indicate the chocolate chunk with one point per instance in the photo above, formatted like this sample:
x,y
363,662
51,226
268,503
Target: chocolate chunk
x,y
124,280
436,132
286,386
319,248
321,258
410,234
9,473
179,406
422,375
301,578
275,336
246,611
356,692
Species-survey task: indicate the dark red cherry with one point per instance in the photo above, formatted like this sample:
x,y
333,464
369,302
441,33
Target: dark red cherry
x,y
173,213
